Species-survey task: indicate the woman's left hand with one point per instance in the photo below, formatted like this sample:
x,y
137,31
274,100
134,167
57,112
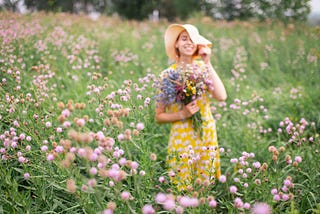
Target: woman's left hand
x,y
205,53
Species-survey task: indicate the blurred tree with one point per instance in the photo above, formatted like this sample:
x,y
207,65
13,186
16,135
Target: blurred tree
x,y
140,9
11,5
72,6
262,9
185,8
134,9
170,9
50,5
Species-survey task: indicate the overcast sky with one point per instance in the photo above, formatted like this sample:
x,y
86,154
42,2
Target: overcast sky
x,y
315,5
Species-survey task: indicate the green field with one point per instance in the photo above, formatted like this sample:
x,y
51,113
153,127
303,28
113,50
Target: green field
x,y
77,133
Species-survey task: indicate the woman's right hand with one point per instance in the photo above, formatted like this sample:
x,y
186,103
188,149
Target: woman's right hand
x,y
190,109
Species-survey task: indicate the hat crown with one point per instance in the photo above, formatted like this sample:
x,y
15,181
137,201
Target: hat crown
x,y
192,30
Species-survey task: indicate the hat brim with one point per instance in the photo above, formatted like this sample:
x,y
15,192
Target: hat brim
x,y
172,33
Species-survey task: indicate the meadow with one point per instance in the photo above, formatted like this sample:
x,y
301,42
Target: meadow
x,y
77,131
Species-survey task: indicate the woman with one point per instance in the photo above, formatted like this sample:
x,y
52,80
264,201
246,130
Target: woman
x,y
192,158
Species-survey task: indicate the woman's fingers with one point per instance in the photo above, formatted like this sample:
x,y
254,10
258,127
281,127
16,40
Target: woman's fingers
x,y
205,53
192,108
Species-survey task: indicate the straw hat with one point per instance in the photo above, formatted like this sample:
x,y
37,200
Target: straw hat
x,y
172,33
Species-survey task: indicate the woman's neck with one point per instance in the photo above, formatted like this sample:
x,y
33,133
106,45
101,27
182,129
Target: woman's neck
x,y
184,60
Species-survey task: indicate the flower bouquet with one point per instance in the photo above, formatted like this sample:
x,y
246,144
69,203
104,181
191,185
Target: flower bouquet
x,y
183,85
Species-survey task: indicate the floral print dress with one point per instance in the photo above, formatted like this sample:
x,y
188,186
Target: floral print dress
x,y
191,157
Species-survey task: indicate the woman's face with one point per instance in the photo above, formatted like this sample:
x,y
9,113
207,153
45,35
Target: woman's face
x,y
184,45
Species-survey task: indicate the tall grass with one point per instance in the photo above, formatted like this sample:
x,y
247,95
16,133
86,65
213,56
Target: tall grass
x,y
77,133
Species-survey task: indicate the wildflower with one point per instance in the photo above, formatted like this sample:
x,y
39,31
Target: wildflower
x,y
261,208
160,198
284,189
274,191
140,126
213,203
169,204
257,181
80,122
238,203
92,182
65,113
237,180
172,173
256,165
71,186
153,157
123,161
107,211
161,179
44,148
233,189
59,149
298,159
134,165
234,160
26,175
179,210
186,201
93,171
246,206
276,197
66,124
22,159
121,137
222,178
126,196
285,197
287,182
14,144
50,157
148,209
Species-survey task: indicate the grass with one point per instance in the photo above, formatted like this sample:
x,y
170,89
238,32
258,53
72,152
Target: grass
x,y
59,68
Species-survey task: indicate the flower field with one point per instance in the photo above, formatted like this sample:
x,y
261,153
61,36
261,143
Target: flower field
x,y
77,133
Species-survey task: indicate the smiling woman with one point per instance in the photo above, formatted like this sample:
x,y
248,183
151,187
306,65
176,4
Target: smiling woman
x,y
193,153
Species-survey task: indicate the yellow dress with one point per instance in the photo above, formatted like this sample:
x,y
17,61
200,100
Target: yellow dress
x,y
190,157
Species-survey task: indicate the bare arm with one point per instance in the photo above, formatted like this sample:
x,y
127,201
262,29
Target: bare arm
x,y
219,91
161,116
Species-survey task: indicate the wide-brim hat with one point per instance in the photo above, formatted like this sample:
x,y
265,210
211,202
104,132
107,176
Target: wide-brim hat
x,y
172,33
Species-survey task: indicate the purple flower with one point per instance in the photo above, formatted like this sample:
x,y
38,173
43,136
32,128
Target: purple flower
x,y
213,203
50,157
26,175
222,178
261,208
140,126
298,159
233,189
148,209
